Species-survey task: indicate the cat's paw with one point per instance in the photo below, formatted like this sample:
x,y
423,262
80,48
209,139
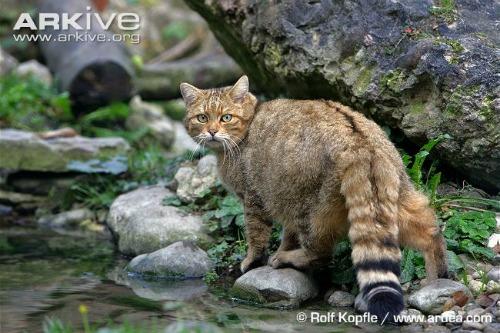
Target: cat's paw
x,y
275,261
251,262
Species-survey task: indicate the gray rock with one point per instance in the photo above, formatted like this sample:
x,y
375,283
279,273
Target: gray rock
x,y
5,210
142,224
492,328
178,260
34,184
275,287
436,329
494,274
159,289
341,299
183,142
441,81
151,116
36,69
494,240
21,198
192,326
67,219
472,325
7,62
195,182
431,298
26,151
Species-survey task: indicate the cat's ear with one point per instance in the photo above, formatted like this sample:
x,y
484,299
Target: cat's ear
x,y
189,93
240,89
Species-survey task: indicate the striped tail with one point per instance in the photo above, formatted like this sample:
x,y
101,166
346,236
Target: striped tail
x,y
370,186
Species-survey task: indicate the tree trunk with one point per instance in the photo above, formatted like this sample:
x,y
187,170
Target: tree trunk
x,y
425,68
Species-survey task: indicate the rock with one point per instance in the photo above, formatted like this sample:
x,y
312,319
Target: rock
x,y
485,301
275,287
472,325
159,289
192,326
151,116
26,151
183,142
431,298
20,198
493,287
476,286
142,224
341,299
7,63
179,260
27,182
5,210
433,77
497,218
35,69
494,274
194,183
492,328
494,242
436,329
67,219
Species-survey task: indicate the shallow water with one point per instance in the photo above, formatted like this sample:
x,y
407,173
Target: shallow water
x,y
48,275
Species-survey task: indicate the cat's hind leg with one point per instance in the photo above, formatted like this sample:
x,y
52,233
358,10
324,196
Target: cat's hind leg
x,y
289,241
418,230
317,237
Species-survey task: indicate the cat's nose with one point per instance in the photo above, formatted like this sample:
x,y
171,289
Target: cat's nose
x,y
212,132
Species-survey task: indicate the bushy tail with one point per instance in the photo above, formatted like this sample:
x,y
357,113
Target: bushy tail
x,y
370,186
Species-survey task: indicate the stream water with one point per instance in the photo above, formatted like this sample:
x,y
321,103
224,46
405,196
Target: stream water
x,y
44,274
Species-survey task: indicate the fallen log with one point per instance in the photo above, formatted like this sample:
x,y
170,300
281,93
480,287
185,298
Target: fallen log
x,y
95,72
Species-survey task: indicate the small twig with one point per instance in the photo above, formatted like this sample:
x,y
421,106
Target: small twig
x,y
178,50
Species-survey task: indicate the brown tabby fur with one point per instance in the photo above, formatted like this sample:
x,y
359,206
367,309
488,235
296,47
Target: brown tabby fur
x,y
323,171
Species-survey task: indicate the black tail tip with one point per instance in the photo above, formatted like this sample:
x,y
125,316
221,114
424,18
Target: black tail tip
x,y
386,305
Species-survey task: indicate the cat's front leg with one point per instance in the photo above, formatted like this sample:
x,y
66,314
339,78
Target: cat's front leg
x,y
258,231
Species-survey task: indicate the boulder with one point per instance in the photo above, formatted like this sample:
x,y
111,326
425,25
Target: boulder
x,y
285,287
422,68
178,260
150,116
341,299
183,142
27,151
432,298
195,182
67,219
494,274
35,69
7,62
159,289
142,224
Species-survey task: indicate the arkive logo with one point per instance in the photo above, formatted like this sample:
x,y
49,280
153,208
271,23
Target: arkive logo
x,y
65,21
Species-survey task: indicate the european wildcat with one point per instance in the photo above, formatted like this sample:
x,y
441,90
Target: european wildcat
x,y
323,171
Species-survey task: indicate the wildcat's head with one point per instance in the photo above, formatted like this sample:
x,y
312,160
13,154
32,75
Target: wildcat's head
x,y
219,118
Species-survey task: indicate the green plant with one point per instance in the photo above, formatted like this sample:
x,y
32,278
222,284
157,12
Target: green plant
x,y
427,182
446,10
29,104
467,232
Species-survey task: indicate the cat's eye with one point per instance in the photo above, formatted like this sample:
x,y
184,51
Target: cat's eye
x,y
226,118
202,118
